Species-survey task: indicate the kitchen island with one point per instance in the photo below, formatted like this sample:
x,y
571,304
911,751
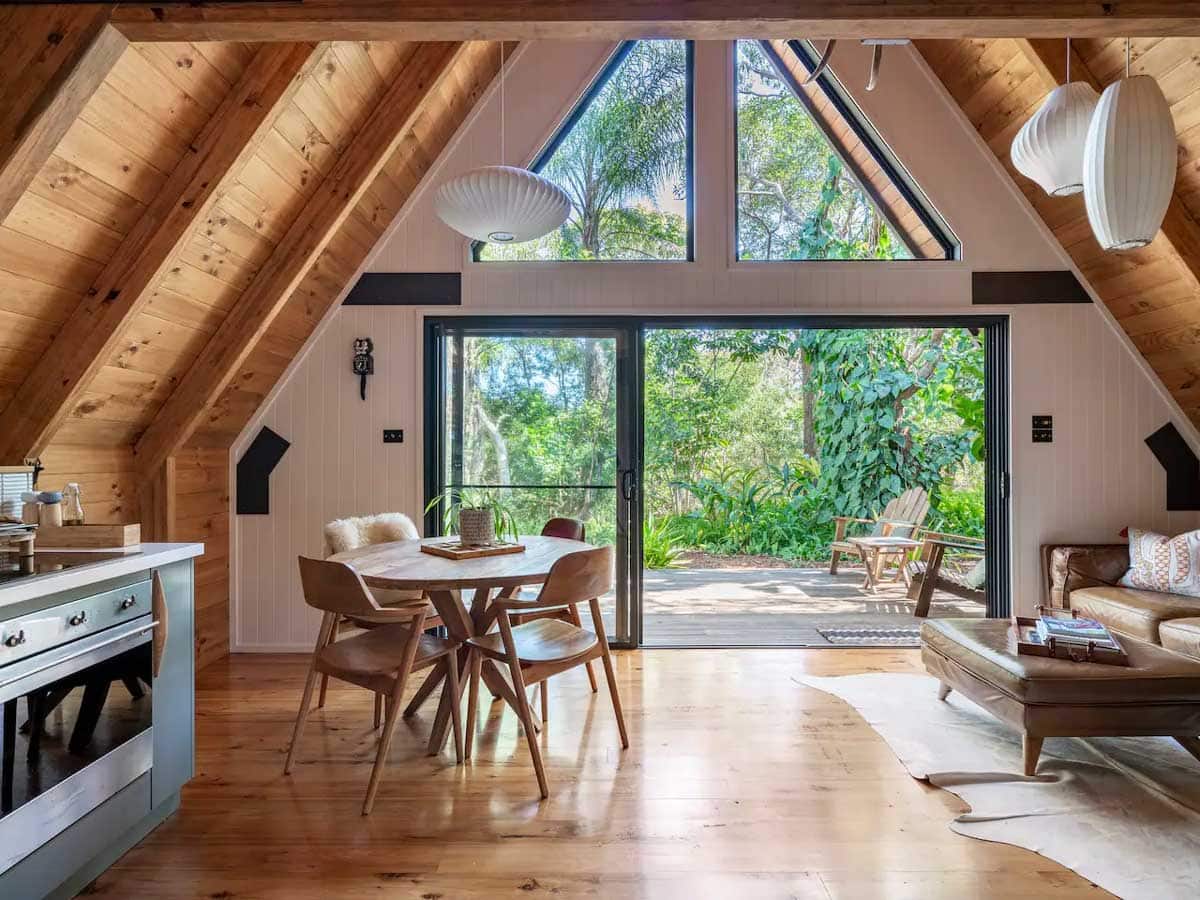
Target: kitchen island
x,y
97,689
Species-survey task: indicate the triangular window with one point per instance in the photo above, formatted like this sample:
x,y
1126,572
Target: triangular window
x,y
814,180
623,156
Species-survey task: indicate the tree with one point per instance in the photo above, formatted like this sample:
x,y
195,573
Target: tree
x,y
795,198
616,162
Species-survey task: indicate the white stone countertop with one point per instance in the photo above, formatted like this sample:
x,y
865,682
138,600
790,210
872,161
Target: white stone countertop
x,y
133,559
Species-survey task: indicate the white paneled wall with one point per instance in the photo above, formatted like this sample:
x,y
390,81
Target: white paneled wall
x,y
337,466
1067,361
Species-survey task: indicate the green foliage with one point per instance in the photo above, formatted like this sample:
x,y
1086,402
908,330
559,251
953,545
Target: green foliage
x,y
883,424
621,163
754,439
659,550
958,511
795,198
775,512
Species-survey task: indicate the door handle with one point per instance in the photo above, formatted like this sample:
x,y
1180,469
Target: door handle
x,y
628,484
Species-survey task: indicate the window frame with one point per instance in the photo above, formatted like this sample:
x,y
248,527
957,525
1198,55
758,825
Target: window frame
x,y
866,133
542,157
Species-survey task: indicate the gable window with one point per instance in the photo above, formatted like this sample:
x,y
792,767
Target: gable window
x,y
814,182
623,156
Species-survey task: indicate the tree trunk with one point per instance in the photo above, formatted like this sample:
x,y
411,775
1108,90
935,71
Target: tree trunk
x,y
810,407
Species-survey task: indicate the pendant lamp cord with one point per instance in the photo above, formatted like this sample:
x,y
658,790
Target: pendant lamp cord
x,y
1126,57
503,155
1068,60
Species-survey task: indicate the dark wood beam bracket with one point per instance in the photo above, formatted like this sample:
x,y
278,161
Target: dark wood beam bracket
x,y
1018,288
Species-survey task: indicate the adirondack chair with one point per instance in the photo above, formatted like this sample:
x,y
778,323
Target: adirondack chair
x,y
929,572
900,518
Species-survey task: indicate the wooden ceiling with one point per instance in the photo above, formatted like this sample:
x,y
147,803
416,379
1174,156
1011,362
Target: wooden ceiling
x,y
1153,293
177,214
176,219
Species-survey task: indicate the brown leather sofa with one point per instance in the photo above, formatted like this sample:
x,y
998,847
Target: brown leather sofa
x,y
1083,578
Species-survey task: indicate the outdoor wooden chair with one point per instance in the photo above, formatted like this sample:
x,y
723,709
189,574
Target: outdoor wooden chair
x,y
379,660
545,647
902,517
930,571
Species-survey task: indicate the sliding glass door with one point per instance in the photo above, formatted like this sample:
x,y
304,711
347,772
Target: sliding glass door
x,y
536,417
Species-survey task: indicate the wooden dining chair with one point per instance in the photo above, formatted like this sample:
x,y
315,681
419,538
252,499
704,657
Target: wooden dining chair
x,y
541,648
352,533
572,530
379,660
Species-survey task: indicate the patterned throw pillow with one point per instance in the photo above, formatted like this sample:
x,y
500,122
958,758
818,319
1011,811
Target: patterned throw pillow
x,y
1161,563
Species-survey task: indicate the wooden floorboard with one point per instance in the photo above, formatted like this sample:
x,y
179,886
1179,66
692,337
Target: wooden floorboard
x,y
740,783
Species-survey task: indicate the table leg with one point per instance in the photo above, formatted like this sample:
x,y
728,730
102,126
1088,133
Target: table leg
x,y
428,686
1031,749
458,621
868,564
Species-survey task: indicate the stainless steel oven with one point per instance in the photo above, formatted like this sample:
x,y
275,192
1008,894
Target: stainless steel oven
x,y
77,724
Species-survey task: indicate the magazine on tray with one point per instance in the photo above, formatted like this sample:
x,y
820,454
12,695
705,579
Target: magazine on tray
x,y
1076,631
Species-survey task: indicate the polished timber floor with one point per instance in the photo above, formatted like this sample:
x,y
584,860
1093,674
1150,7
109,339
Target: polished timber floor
x,y
740,783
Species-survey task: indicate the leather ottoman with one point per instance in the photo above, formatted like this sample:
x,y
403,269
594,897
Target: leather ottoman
x,y
1157,694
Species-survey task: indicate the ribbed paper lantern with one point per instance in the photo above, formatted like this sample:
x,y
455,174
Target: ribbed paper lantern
x,y
502,204
1049,147
1129,163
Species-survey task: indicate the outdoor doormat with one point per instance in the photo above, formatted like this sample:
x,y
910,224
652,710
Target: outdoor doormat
x,y
873,637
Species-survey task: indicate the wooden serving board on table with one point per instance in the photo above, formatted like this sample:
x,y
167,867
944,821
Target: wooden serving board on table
x,y
454,549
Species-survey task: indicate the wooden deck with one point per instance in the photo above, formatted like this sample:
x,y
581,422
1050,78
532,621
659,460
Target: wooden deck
x,y
775,607
739,782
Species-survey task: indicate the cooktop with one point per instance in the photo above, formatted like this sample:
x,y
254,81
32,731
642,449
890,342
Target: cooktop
x,y
13,566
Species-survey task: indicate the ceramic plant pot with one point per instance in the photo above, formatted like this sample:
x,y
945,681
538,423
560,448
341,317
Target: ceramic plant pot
x,y
476,526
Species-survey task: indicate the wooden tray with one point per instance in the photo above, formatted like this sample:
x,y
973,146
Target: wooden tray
x,y
457,550
1030,644
89,537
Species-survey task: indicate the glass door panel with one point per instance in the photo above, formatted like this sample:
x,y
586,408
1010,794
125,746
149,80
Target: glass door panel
x,y
532,417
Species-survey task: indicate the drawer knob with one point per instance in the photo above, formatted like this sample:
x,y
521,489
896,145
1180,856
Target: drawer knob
x,y
15,640
128,602
78,619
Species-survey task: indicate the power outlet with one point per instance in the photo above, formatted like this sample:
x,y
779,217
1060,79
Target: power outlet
x,y
1043,429
393,435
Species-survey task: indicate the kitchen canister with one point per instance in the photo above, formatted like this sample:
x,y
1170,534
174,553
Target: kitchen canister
x,y
29,508
50,509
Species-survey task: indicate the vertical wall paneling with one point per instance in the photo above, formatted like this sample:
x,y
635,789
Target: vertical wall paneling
x,y
1066,360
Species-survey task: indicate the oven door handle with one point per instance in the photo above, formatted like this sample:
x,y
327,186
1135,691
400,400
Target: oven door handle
x,y
158,608
83,651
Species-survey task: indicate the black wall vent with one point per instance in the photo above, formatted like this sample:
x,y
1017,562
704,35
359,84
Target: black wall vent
x,y
1183,469
254,473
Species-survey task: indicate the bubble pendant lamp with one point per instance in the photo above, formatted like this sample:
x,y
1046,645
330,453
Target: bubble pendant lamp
x,y
501,204
1129,162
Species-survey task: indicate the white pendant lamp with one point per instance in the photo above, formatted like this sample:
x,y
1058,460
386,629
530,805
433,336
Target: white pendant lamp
x,y
501,204
1129,162
1049,147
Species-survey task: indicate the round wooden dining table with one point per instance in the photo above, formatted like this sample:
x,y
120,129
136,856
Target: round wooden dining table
x,y
402,565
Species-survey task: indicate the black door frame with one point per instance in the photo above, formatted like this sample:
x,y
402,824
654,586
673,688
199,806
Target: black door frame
x,y
630,377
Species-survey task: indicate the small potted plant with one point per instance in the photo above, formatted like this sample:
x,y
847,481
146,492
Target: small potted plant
x,y
478,517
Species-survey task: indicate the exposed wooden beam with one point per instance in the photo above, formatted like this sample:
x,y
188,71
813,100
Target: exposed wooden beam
x,y
1179,228
617,19
52,59
91,335
317,222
